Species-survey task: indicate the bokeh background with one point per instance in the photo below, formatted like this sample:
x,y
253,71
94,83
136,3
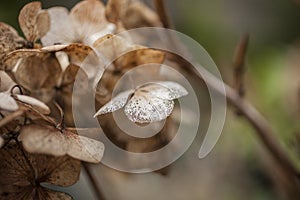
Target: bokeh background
x,y
239,167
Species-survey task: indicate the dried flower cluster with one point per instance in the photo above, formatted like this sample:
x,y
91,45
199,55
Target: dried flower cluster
x,y
37,75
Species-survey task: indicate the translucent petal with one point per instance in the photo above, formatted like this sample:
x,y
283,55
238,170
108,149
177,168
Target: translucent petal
x,y
61,29
146,108
84,148
176,90
49,140
116,103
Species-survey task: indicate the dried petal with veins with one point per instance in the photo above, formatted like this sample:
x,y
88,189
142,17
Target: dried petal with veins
x,y
9,41
132,14
85,23
115,104
150,102
34,21
22,174
49,140
44,68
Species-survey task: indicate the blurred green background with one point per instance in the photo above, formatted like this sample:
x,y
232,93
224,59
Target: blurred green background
x,y
239,167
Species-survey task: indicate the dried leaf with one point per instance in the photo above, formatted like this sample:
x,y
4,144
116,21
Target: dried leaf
x,y
7,102
49,140
151,102
38,105
34,22
22,174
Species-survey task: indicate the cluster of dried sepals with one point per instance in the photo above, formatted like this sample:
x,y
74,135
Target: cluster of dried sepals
x,y
36,86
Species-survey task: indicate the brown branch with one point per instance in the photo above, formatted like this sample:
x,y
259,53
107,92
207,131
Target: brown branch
x,y
239,65
263,129
93,181
11,117
162,13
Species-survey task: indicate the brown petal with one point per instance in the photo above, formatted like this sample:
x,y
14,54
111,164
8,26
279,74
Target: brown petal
x,y
43,67
139,57
47,194
42,24
60,171
139,15
10,40
33,21
77,52
116,10
44,140
19,169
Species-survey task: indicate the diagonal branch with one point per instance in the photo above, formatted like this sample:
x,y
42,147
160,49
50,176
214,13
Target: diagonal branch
x,y
263,129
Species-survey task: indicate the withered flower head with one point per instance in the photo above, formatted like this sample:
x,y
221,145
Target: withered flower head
x,y
85,23
148,103
52,141
22,174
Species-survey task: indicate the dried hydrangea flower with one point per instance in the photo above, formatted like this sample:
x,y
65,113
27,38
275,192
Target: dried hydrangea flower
x,y
148,103
22,174
52,141
126,56
131,14
34,21
9,40
85,23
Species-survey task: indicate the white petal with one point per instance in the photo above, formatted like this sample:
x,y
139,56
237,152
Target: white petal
x,y
116,103
7,102
146,108
176,90
61,31
37,104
